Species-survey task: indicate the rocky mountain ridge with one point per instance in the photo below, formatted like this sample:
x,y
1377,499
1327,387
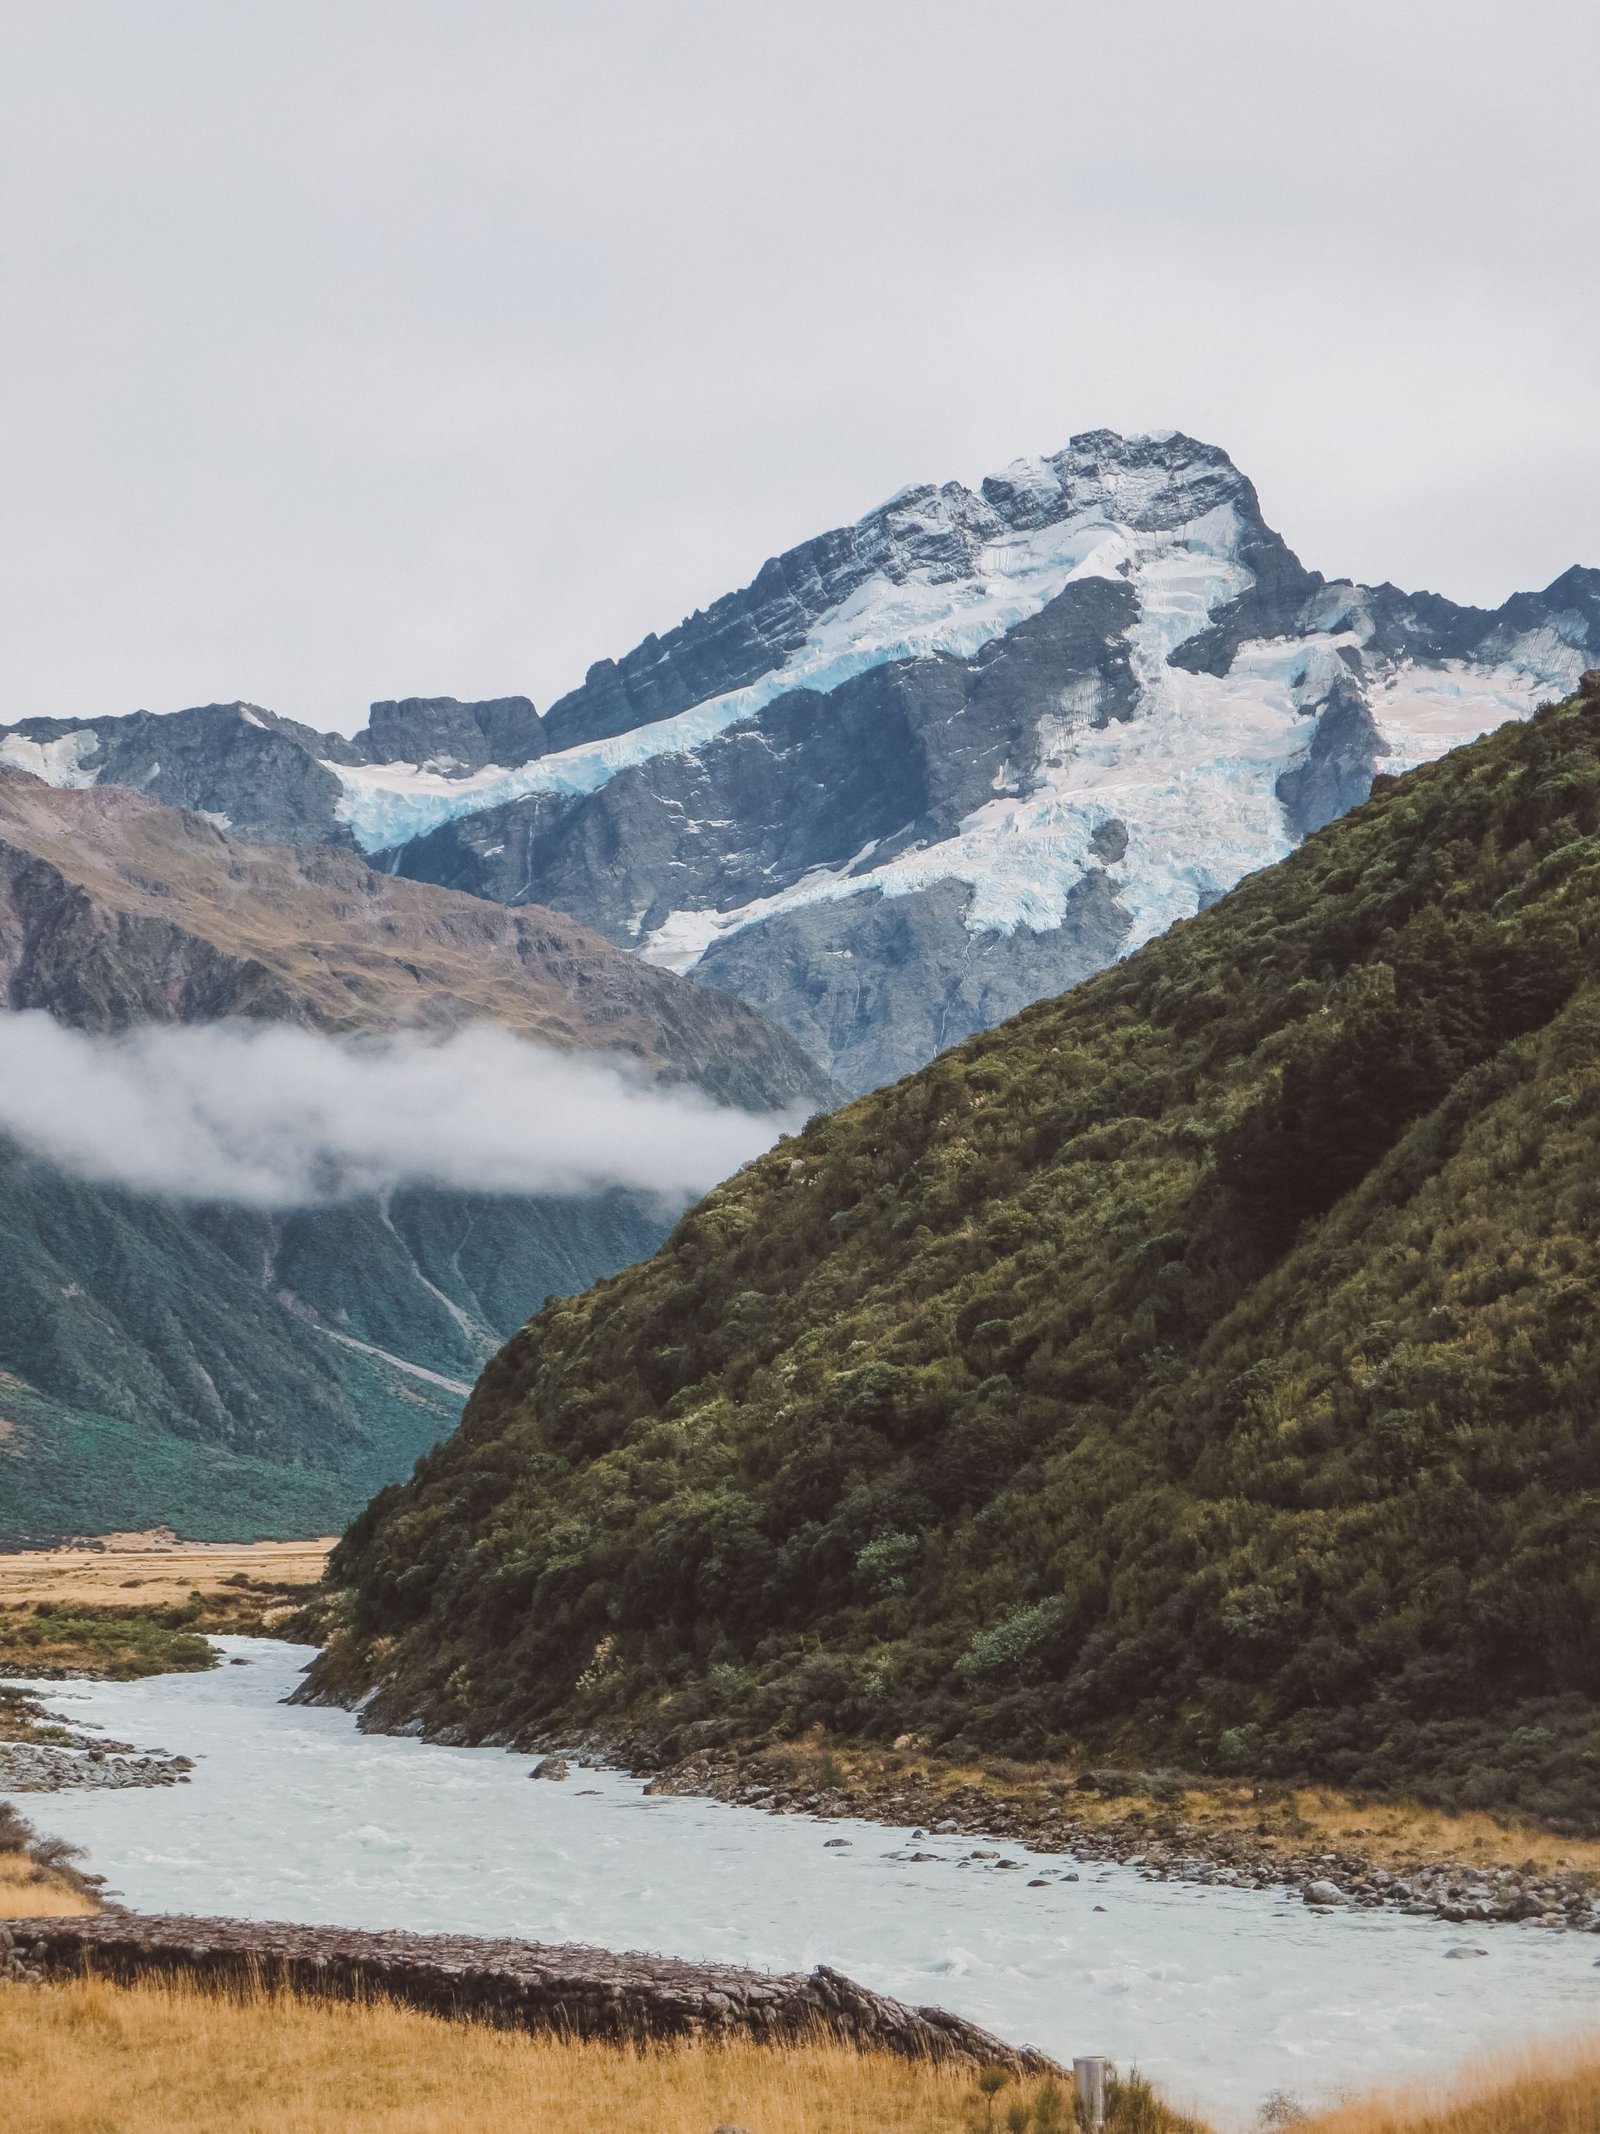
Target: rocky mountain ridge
x,y
116,909
921,770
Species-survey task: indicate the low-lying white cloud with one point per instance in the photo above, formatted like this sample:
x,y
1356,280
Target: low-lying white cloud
x,y
270,1116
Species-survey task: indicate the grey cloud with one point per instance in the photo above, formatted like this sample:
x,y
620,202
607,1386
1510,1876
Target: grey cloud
x,y
269,1116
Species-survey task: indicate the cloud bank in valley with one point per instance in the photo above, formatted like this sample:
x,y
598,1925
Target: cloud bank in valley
x,y
270,1116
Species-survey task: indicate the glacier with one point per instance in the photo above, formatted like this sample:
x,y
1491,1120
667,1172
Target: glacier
x,y
917,616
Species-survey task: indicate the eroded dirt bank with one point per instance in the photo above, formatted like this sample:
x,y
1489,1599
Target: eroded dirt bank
x,y
582,1992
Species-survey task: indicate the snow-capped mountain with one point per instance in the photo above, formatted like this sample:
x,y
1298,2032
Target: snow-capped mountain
x,y
923,769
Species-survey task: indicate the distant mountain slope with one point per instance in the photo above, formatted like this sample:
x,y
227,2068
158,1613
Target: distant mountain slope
x,y
224,1370
115,909
1204,1364
923,769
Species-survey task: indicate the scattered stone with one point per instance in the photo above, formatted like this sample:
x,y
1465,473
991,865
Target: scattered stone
x,y
1463,1948
550,1767
1159,1848
835,1844
1325,1893
45,1767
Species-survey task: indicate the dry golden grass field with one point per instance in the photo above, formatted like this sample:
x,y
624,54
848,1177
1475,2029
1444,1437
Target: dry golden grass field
x,y
1556,2093
137,1570
170,2059
91,2058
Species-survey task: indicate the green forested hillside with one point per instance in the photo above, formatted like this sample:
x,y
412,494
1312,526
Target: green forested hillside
x,y
167,1365
1206,1362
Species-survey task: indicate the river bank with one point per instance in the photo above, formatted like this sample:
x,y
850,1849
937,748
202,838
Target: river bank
x,y
622,1996
41,1753
1329,1851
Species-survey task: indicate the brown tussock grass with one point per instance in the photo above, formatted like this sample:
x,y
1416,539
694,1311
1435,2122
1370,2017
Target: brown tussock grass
x,y
1283,1820
169,2058
28,1891
1553,2091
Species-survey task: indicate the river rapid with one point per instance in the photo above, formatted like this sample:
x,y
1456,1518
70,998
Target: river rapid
x,y
1221,1996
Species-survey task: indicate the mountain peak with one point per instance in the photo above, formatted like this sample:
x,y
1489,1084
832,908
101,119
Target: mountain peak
x,y
873,790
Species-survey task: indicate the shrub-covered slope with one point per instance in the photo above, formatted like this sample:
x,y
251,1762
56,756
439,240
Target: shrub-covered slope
x,y
1206,1360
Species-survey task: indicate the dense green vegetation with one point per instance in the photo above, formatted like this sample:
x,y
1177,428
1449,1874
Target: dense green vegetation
x,y
118,1644
1205,1362
66,1471
160,1365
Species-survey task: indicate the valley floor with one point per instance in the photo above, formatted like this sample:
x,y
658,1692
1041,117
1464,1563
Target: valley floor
x,y
125,1605
158,1571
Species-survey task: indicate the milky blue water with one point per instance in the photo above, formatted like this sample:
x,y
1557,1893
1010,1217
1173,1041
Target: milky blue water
x,y
1222,1996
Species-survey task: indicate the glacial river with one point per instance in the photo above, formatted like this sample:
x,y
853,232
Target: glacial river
x,y
1222,1996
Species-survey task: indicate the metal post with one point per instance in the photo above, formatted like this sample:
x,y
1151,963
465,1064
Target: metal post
x,y
1090,2075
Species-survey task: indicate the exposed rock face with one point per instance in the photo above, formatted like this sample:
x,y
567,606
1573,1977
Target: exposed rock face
x,y
522,1985
1335,773
441,735
268,777
903,752
879,984
927,535
261,775
947,705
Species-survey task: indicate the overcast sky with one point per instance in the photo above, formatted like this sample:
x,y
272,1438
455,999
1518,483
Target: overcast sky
x,y
361,348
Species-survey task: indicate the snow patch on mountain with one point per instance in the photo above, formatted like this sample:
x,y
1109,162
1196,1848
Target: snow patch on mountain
x,y
1192,779
1422,712
58,762
936,607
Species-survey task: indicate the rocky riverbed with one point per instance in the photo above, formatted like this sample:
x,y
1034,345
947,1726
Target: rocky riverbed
x,y
1170,1849
41,1753
45,1767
